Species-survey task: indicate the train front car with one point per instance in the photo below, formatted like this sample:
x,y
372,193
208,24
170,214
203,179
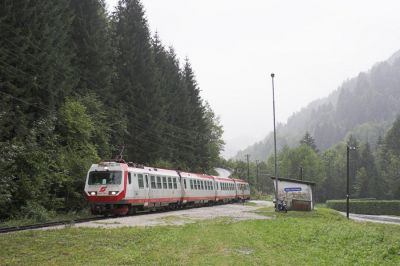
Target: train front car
x,y
105,188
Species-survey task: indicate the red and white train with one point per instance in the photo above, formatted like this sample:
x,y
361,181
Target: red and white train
x,y
121,188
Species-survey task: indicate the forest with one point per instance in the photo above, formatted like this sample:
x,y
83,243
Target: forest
x,y
79,85
364,106
373,172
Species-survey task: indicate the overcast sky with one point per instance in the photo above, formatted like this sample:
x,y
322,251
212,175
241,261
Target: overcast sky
x,y
311,46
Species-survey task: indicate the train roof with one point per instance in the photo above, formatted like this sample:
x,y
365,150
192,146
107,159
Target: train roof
x,y
169,172
204,176
239,180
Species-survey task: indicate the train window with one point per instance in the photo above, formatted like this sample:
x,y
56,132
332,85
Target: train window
x,y
129,177
164,180
209,185
169,183
159,182
184,183
174,181
153,181
212,186
140,181
202,185
105,178
216,183
147,182
191,184
195,183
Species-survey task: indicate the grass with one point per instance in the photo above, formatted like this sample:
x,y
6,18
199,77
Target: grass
x,y
259,196
52,217
321,237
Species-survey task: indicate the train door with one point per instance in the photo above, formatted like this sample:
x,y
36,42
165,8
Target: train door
x,y
182,186
147,190
129,186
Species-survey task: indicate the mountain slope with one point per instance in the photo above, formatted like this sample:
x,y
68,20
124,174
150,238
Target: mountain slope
x,y
363,106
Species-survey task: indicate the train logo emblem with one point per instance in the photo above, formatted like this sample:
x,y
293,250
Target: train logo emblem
x,y
103,189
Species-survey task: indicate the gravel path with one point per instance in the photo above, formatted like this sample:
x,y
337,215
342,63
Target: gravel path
x,y
237,212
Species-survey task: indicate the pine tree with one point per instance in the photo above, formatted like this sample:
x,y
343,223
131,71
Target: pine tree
x,y
135,82
169,82
309,140
392,138
195,115
35,62
92,47
368,182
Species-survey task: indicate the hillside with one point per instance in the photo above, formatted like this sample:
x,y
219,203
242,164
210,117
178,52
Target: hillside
x,y
363,106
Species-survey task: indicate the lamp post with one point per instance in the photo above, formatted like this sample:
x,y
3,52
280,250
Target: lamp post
x,y
276,168
348,181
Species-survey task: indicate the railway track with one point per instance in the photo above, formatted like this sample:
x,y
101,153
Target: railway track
x,y
83,220
44,225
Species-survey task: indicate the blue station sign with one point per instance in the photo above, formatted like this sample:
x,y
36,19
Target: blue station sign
x,y
292,189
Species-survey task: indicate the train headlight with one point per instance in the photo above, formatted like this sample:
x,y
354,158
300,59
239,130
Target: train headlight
x,y
113,193
93,193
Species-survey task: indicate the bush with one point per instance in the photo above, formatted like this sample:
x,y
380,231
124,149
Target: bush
x,y
35,211
367,206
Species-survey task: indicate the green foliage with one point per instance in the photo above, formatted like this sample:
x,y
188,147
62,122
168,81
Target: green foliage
x,y
309,140
364,106
77,85
290,161
392,138
374,207
36,212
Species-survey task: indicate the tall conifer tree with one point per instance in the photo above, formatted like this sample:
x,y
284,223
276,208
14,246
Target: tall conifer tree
x,y
135,83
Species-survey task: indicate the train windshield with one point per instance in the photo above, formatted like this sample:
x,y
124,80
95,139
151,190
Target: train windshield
x,y
105,178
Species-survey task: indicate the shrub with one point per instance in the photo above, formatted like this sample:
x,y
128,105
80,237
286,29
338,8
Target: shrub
x,y
34,211
368,206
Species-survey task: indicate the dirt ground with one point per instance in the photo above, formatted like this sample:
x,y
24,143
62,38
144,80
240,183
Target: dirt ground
x,y
236,211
